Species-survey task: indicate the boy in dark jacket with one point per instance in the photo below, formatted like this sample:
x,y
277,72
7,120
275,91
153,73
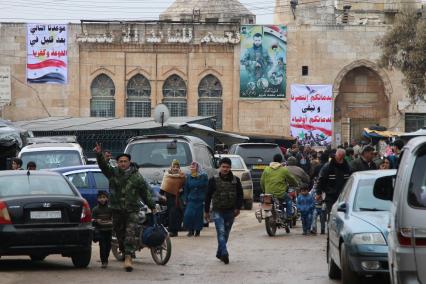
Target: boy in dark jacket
x,y
102,220
306,205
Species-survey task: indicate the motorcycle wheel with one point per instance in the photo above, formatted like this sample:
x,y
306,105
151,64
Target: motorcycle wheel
x,y
115,249
161,254
271,226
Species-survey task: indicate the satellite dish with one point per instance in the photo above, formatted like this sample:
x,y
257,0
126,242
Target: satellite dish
x,y
161,114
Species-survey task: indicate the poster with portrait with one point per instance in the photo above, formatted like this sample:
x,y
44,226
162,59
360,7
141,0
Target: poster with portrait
x,y
311,115
47,54
263,61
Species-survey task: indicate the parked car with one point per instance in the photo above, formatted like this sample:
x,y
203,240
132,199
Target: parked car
x,y
53,152
42,213
407,226
88,179
240,169
155,153
257,156
357,230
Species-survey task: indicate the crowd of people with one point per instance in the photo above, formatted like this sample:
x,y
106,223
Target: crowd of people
x,y
322,175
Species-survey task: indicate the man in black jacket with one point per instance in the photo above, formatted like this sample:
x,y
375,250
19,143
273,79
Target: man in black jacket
x,y
365,161
333,177
226,191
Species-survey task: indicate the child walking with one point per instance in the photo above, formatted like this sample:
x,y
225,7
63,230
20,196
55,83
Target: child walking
x,y
306,205
102,220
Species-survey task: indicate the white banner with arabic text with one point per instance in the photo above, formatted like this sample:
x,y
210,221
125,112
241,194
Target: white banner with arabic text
x,y
311,116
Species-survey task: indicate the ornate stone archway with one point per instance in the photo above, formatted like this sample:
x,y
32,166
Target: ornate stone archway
x,y
362,63
362,93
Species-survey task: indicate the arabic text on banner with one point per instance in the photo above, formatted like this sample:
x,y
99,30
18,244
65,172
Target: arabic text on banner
x,y
311,118
263,61
47,54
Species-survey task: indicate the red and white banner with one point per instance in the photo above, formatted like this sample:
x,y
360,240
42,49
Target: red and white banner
x,y
47,54
311,116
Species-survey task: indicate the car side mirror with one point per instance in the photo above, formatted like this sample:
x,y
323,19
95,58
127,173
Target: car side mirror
x,y
342,207
383,188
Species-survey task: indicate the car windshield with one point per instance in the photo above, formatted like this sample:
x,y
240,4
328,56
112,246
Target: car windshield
x,y
34,185
417,185
52,159
237,163
365,200
258,154
160,154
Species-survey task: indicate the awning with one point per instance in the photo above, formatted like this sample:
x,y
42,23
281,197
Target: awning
x,y
380,134
198,129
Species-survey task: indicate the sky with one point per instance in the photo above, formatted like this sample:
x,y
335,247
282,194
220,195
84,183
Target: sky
x,y
60,11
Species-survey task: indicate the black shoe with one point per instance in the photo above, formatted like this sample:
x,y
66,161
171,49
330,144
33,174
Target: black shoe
x,y
218,257
225,258
322,233
190,233
197,233
173,234
104,264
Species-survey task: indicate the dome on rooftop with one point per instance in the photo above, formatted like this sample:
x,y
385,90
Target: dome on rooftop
x,y
208,11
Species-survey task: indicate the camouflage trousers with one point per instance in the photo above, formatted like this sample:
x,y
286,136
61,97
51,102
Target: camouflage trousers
x,y
125,226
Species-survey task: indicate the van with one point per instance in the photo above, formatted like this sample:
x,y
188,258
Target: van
x,y
407,228
154,154
52,152
257,157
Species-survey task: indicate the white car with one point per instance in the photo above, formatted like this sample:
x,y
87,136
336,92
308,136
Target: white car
x,y
53,152
240,169
407,226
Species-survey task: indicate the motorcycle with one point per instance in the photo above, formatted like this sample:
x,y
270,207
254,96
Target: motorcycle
x,y
273,213
160,254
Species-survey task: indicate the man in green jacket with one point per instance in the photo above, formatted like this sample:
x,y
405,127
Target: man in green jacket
x,y
276,179
127,188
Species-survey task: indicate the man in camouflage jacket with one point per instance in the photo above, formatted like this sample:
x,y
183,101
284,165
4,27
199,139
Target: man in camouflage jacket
x,y
127,188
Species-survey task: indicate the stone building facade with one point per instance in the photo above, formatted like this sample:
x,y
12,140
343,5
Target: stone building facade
x,y
331,42
126,68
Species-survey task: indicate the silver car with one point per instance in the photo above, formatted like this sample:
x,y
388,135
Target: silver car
x,y
407,235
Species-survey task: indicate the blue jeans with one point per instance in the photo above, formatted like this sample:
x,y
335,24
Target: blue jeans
x,y
306,221
322,214
286,201
223,221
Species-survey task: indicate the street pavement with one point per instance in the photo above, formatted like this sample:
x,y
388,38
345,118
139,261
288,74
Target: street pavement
x,y
254,258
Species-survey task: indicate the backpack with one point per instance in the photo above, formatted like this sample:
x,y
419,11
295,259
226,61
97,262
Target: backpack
x,y
154,236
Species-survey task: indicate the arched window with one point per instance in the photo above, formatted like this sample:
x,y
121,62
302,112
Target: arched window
x,y
174,92
138,97
102,91
210,98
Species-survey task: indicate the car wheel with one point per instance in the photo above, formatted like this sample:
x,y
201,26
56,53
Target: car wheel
x,y
333,269
248,204
82,259
348,276
38,257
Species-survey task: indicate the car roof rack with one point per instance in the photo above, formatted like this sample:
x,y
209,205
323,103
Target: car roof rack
x,y
52,139
170,136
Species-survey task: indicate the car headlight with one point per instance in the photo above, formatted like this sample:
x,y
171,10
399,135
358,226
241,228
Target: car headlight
x,y
368,239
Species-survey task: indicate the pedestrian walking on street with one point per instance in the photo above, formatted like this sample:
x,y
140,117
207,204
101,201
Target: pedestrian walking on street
x,y
195,190
319,211
127,189
306,206
333,177
102,220
16,164
172,188
365,161
385,164
226,191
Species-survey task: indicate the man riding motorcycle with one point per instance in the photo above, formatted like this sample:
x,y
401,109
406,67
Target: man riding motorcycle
x,y
275,180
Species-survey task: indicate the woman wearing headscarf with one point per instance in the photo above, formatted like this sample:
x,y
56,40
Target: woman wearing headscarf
x,y
172,188
195,190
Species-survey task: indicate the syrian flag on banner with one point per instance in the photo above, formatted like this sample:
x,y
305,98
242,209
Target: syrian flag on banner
x,y
276,31
47,71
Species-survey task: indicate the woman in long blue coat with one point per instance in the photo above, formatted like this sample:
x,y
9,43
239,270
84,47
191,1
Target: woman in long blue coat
x,y
195,190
